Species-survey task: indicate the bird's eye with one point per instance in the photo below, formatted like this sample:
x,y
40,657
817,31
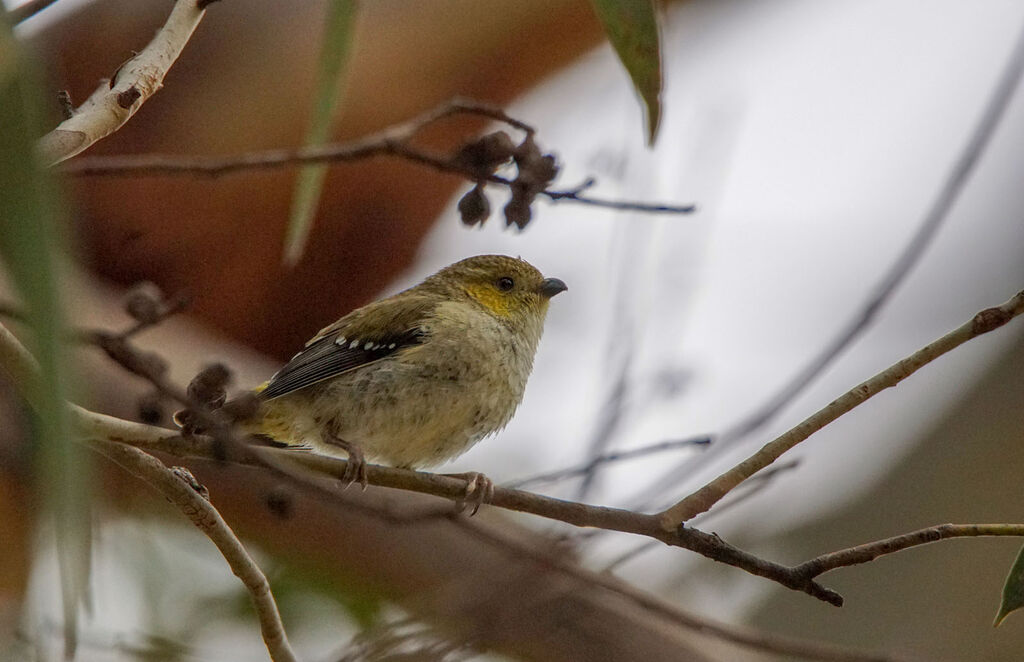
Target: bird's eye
x,y
505,284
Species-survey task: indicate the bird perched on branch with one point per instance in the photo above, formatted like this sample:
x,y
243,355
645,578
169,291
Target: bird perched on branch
x,y
417,378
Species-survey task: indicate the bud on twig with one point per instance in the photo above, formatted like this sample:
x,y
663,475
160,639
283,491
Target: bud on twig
x,y
486,154
144,303
474,208
151,408
209,387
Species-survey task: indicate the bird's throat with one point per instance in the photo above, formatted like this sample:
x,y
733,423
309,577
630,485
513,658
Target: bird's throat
x,y
490,299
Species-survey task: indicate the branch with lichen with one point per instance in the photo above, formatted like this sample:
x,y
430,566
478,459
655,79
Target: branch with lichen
x,y
114,102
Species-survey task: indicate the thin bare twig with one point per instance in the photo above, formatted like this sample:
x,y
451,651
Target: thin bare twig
x,y
619,205
611,412
870,551
708,495
619,351
115,101
394,141
167,309
936,215
208,520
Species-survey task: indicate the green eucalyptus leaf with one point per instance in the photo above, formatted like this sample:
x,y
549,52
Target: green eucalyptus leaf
x,y
30,240
334,56
1013,589
632,29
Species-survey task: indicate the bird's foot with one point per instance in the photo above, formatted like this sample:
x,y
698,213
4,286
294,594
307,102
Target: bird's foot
x,y
355,468
479,490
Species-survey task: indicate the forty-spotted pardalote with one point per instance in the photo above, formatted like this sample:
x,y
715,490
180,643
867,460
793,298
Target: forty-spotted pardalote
x,y
417,378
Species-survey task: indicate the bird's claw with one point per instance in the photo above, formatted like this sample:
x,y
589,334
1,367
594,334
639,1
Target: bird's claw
x,y
479,490
355,468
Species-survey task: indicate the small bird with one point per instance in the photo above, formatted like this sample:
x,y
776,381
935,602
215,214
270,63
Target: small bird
x,y
415,379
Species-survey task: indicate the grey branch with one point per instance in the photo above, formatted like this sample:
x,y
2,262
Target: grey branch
x,y
206,518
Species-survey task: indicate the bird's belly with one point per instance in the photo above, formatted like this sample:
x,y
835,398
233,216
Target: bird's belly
x,y
413,419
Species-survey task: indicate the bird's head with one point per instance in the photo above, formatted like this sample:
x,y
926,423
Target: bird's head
x,y
509,288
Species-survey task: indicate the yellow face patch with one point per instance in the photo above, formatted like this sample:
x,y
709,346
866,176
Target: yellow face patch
x,y
497,302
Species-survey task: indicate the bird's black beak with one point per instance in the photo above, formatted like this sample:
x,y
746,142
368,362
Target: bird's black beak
x,y
552,286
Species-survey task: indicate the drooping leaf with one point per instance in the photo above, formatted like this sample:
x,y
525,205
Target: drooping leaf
x,y
632,29
1013,589
334,56
30,221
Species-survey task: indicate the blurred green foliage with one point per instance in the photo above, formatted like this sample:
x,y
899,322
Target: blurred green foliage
x,y
334,56
1013,589
31,220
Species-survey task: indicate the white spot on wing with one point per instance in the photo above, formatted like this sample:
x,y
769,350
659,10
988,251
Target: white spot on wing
x,y
340,341
354,345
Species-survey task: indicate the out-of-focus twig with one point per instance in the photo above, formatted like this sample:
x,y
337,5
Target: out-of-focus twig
x,y
607,458
746,637
27,10
935,216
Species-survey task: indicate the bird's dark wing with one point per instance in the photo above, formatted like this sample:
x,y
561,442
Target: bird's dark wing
x,y
362,337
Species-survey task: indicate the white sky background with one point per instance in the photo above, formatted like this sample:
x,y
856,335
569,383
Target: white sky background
x,y
813,135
